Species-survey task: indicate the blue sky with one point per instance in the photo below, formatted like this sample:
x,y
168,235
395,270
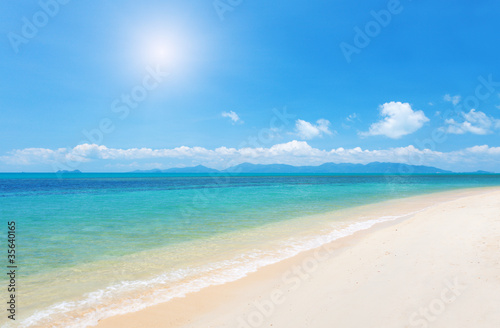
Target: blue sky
x,y
102,86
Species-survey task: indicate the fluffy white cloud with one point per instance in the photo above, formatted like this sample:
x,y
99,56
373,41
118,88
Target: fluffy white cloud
x,y
233,116
475,122
453,99
399,120
306,130
293,153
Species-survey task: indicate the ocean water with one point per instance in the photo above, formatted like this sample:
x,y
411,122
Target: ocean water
x,y
89,246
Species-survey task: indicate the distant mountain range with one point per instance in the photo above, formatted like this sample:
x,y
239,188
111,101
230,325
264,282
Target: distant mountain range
x,y
375,167
68,172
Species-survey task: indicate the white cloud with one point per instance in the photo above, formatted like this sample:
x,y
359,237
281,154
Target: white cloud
x,y
233,116
352,117
453,99
475,122
136,166
293,153
351,120
399,120
306,130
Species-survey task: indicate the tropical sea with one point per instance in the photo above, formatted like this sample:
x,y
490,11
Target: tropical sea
x,y
92,245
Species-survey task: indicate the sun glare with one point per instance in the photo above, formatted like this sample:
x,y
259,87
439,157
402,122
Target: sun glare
x,y
167,46
163,50
160,53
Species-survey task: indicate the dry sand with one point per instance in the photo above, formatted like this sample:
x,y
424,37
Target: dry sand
x,y
437,268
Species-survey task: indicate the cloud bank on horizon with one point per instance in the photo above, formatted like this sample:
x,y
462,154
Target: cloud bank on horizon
x,y
397,120
295,152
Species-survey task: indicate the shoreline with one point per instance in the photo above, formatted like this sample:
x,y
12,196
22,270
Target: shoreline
x,y
213,303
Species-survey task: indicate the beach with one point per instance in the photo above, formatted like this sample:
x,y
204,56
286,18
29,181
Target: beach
x,y
437,267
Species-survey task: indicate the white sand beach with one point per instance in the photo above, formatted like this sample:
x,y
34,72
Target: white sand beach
x,y
437,268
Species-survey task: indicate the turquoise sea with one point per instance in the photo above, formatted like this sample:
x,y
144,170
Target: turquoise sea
x,y
93,245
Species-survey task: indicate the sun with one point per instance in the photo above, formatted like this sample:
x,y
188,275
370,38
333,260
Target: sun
x,y
166,46
160,53
163,51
